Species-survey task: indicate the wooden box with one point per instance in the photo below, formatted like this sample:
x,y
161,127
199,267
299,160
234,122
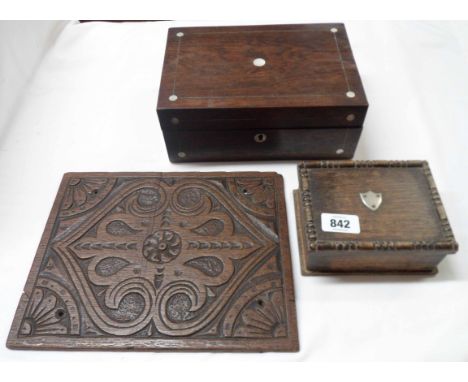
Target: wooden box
x,y
260,92
370,217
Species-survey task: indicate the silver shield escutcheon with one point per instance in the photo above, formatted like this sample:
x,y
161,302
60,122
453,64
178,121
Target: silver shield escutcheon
x,y
371,200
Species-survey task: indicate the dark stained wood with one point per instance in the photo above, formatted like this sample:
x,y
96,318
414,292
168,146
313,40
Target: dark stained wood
x,y
221,145
308,87
162,261
409,233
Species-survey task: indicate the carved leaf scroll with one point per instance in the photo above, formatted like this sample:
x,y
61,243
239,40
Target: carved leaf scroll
x,y
212,227
209,265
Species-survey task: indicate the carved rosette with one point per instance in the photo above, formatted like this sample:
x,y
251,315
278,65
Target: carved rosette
x,y
162,246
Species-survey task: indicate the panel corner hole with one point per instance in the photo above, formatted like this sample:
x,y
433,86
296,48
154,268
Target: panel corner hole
x,y
259,61
181,154
60,313
350,117
175,120
340,151
350,94
180,34
334,30
173,97
260,138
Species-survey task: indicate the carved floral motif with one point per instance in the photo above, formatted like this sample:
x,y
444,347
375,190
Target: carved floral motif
x,y
259,190
256,194
162,246
83,193
264,316
43,315
51,310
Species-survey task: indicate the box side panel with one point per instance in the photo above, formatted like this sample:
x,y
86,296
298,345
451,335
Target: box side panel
x,y
375,262
258,144
271,118
300,227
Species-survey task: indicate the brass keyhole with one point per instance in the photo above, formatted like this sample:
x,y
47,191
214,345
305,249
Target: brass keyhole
x,y
260,138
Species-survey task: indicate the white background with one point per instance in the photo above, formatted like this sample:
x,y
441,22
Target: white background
x,y
89,105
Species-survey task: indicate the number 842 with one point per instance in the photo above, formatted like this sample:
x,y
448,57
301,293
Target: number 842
x,y
339,223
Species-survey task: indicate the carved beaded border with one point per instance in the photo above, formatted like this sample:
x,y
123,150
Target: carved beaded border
x,y
448,242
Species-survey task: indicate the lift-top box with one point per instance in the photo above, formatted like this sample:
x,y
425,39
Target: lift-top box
x,y
260,92
370,217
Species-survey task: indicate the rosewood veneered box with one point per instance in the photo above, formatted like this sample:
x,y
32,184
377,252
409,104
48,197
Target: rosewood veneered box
x,y
370,217
260,92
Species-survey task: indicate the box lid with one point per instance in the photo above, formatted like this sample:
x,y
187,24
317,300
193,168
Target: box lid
x,y
396,205
269,66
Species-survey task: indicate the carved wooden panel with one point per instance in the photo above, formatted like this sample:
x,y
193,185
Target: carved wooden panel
x,y
184,261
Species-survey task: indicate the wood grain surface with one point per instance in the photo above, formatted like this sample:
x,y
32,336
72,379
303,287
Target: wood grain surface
x,y
408,233
210,85
305,65
162,261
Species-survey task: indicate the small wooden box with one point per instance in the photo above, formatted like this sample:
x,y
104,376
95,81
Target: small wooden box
x,y
394,220
260,92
